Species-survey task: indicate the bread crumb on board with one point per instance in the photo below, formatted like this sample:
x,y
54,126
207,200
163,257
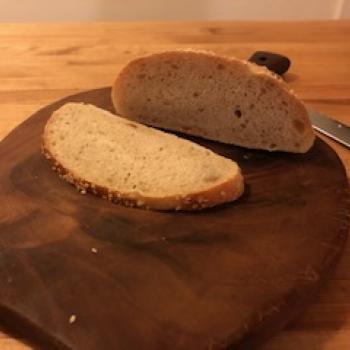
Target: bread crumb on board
x,y
72,318
247,156
94,250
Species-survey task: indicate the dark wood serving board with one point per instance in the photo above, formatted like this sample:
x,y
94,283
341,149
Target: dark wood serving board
x,y
225,277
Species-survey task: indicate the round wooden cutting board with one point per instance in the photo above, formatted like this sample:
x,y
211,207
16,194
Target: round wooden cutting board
x,y
79,272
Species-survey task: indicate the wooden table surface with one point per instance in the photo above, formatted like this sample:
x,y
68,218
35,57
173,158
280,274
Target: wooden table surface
x,y
40,63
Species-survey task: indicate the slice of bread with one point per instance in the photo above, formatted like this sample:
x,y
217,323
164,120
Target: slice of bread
x,y
215,97
129,163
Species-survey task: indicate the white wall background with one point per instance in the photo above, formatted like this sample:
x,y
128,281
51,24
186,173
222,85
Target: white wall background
x,y
123,10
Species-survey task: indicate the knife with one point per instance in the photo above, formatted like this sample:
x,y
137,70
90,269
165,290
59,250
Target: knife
x,y
328,126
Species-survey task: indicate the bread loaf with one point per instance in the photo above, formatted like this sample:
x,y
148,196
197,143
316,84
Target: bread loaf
x,y
215,97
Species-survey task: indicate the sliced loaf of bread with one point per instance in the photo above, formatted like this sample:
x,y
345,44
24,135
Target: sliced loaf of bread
x,y
215,97
132,164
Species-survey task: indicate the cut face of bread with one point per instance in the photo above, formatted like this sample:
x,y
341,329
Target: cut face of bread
x,y
215,97
136,165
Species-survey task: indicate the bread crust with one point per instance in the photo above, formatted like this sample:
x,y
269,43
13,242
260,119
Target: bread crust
x,y
306,133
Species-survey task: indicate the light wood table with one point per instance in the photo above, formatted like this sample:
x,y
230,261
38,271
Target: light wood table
x,y
40,63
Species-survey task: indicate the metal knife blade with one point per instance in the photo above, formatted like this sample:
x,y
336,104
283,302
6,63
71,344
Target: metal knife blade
x,y
330,127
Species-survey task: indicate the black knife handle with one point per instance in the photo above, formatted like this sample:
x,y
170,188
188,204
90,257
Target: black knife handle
x,y
273,61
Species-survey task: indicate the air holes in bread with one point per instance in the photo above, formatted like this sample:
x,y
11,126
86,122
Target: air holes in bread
x,y
299,125
238,113
132,125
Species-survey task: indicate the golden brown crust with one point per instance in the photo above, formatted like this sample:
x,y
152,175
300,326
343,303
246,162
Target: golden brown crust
x,y
222,193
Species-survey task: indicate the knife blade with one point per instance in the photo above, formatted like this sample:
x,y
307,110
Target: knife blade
x,y
330,127
326,125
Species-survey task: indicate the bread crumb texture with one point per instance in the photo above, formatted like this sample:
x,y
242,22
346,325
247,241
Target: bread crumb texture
x,y
138,166
215,97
